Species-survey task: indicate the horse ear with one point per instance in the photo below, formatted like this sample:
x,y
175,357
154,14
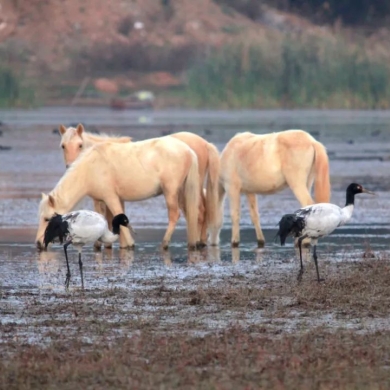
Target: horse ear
x,y
44,196
80,129
51,201
62,129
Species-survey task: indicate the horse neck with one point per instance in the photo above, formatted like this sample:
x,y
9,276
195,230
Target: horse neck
x,y
70,190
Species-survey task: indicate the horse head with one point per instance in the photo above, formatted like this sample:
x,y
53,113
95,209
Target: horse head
x,y
72,142
46,211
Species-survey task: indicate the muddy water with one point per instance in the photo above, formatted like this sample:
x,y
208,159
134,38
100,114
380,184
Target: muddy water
x,y
358,147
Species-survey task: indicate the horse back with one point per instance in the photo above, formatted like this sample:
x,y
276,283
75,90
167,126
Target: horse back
x,y
198,145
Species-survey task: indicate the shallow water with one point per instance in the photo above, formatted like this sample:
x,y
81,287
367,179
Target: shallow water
x,y
358,147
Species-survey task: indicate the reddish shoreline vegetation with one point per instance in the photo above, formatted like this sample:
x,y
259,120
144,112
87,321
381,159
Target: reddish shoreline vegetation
x,y
241,331
214,54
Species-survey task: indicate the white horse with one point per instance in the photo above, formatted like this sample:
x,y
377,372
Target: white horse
x,y
265,164
133,171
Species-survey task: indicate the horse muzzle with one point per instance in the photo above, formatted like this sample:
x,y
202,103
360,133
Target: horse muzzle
x,y
40,246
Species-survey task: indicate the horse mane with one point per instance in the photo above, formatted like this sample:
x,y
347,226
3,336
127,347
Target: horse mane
x,y
103,137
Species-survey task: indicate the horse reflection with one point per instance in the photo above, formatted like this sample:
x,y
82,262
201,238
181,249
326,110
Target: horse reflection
x,y
236,252
49,269
167,257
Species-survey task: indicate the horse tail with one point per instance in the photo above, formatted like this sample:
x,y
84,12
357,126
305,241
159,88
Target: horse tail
x,y
321,172
212,209
216,226
191,201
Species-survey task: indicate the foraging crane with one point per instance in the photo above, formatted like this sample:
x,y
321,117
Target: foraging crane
x,y
318,220
80,228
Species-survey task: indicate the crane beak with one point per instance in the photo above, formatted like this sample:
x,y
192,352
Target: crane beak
x,y
368,192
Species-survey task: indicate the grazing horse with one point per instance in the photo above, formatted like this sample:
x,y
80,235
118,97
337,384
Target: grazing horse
x,y
133,171
265,164
75,140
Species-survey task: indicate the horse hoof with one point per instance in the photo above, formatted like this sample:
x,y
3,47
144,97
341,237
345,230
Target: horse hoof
x,y
200,245
260,243
129,247
192,247
235,244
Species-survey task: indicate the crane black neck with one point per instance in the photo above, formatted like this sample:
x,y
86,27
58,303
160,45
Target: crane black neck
x,y
117,221
350,198
116,224
116,227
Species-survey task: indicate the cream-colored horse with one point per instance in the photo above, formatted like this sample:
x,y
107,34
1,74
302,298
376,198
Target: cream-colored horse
x,y
132,171
75,140
264,164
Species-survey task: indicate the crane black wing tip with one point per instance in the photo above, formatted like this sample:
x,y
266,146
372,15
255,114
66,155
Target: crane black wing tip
x,y
56,228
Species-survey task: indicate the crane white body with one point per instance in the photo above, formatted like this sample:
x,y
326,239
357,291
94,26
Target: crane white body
x,y
318,220
322,219
86,227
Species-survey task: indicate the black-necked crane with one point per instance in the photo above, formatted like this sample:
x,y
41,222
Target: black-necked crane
x,y
79,228
318,220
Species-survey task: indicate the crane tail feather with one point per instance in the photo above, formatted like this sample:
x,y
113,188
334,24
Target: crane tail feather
x,y
287,226
56,228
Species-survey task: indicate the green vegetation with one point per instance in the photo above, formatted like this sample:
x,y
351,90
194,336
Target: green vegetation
x,y
290,73
12,92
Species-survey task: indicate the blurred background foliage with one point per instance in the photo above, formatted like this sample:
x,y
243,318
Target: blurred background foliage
x,y
209,53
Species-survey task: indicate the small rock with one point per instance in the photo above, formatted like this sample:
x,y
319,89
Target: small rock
x,y
2,147
375,133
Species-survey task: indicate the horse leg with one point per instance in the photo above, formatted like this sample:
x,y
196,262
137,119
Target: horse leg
x,y
172,202
202,224
100,208
109,218
235,210
253,209
122,238
116,207
215,229
298,179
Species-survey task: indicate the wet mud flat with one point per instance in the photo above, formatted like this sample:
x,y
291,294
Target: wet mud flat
x,y
220,318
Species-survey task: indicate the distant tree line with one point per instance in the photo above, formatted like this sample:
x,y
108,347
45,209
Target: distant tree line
x,y
349,12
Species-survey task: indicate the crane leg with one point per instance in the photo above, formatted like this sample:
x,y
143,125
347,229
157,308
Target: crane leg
x,y
316,263
300,273
67,280
81,271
